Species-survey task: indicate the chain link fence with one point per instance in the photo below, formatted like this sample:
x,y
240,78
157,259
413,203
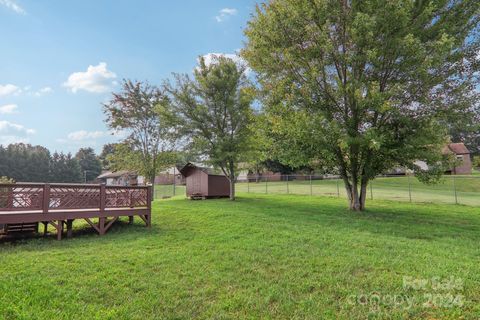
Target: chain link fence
x,y
453,189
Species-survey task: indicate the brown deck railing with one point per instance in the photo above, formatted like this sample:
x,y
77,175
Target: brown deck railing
x,y
37,202
46,197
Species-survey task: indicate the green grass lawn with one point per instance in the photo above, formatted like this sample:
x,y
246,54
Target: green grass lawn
x,y
263,256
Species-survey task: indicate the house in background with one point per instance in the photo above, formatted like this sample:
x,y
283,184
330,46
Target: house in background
x,y
265,175
463,163
170,176
205,182
121,178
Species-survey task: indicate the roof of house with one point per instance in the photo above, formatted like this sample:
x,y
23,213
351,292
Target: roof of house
x,y
171,170
116,174
456,148
209,171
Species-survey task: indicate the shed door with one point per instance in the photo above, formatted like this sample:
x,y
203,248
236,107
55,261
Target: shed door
x,y
197,183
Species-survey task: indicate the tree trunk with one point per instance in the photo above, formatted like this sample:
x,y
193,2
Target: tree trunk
x,y
232,180
363,193
355,199
232,189
152,182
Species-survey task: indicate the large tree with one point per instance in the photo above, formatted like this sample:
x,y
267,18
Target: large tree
x,y
107,151
90,165
65,168
144,112
216,113
25,163
363,86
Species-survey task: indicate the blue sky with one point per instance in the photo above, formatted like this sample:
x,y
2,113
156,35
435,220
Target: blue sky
x,y
59,60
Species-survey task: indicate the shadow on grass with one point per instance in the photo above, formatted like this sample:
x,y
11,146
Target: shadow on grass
x,y
398,219
178,217
413,221
81,230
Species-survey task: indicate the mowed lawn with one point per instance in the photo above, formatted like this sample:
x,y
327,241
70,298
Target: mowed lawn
x,y
450,189
263,256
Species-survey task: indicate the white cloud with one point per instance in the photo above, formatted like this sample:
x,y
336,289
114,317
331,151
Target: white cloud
x,y
12,5
96,79
13,133
8,109
83,135
8,89
86,135
43,91
225,13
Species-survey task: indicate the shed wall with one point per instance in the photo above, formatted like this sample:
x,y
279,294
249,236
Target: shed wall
x,y
197,183
218,186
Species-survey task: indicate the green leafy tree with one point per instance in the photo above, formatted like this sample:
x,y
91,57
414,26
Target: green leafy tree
x,y
24,162
107,150
144,112
362,86
65,169
90,165
476,162
216,113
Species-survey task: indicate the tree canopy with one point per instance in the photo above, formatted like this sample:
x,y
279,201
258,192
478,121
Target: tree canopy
x,y
90,165
144,112
216,113
363,86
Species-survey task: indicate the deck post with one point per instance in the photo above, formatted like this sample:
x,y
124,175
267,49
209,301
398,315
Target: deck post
x,y
130,219
69,228
102,198
46,198
101,226
59,229
101,219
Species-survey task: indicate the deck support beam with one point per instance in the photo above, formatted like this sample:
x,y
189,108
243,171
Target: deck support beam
x,y
69,228
93,225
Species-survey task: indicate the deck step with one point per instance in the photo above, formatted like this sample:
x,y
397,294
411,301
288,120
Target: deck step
x,y
21,227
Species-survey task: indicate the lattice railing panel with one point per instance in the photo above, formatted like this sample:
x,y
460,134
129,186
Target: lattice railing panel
x,y
74,197
139,197
117,197
29,197
21,197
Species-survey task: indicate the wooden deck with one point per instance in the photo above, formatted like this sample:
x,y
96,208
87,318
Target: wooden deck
x,y
60,204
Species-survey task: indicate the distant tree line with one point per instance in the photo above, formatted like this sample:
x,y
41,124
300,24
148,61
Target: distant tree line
x,y
26,163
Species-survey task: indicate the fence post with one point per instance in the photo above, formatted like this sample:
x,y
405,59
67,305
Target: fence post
x,y
266,184
409,188
248,185
174,178
311,191
455,190
371,190
338,188
288,191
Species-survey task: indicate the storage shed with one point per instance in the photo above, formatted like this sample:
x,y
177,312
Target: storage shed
x,y
204,182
